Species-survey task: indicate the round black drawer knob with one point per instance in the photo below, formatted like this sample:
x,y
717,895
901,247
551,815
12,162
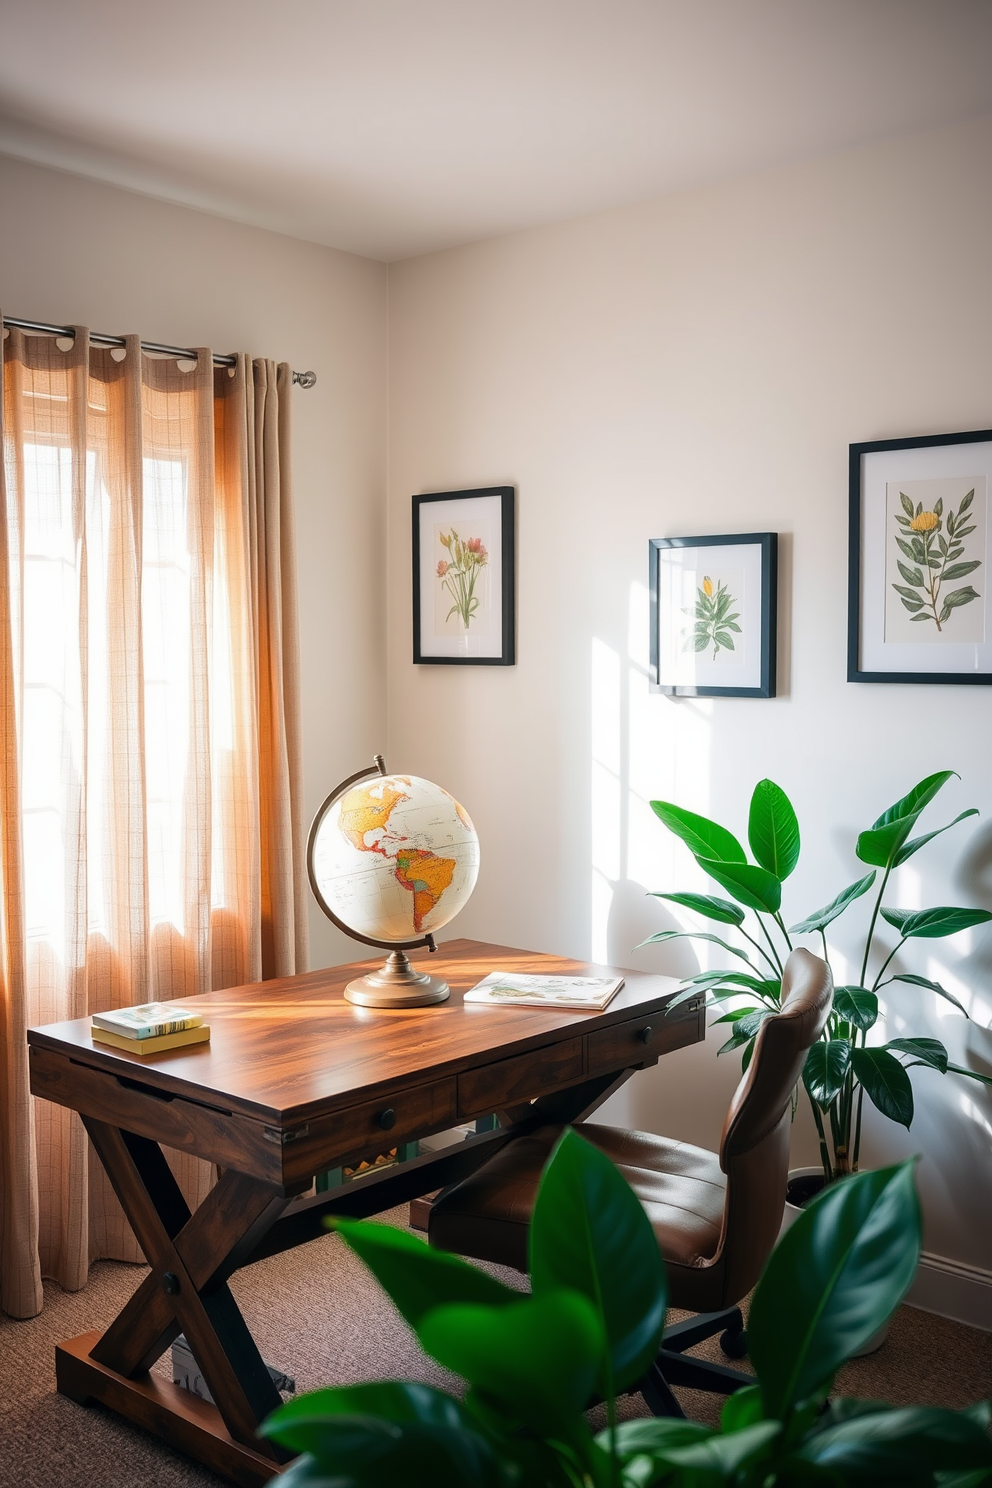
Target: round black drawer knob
x,y
387,1119
644,1037
170,1283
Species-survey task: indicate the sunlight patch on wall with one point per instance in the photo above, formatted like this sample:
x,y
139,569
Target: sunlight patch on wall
x,y
605,801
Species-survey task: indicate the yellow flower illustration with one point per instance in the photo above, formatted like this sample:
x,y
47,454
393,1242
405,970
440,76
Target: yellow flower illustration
x,y
707,586
934,544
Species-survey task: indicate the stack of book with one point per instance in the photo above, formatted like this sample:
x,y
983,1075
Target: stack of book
x,y
151,1028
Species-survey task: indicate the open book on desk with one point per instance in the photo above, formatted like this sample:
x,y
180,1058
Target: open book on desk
x,y
584,994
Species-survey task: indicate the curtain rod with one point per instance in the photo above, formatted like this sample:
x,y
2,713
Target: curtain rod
x,y
302,379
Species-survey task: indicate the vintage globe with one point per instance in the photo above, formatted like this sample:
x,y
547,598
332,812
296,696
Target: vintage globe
x,y
392,858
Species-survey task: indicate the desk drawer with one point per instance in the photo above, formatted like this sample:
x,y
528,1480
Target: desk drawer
x,y
538,1072
374,1126
640,1040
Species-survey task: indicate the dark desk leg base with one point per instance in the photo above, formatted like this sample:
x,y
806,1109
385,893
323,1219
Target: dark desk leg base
x,y
155,1404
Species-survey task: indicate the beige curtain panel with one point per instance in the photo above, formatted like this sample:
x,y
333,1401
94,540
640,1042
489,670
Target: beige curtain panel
x,y
150,787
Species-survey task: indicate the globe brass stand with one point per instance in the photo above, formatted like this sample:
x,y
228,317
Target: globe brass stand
x,y
397,984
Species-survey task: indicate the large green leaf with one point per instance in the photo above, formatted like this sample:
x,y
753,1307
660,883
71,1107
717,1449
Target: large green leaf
x,y
959,1069
886,1084
750,885
898,1445
745,1029
926,1050
934,924
918,981
772,829
719,1458
915,800
590,1233
825,1070
914,845
701,836
821,918
662,935
888,833
856,1005
416,1277
377,1435
646,1437
833,1279
538,1358
709,905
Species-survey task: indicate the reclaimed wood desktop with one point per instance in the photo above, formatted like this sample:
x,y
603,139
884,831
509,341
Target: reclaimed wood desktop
x,y
296,1081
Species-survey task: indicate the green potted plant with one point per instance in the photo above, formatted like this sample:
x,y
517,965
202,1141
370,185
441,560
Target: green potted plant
x,y
591,1326
842,1067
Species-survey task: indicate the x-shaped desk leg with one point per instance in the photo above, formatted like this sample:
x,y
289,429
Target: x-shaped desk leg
x,y
191,1256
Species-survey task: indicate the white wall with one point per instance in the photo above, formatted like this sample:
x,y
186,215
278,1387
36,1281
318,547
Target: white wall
x,y
73,251
700,364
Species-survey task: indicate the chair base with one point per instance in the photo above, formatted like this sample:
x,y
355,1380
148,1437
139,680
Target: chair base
x,y
672,1367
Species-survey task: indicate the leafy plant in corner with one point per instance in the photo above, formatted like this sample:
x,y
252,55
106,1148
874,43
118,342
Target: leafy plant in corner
x,y
841,1067
591,1326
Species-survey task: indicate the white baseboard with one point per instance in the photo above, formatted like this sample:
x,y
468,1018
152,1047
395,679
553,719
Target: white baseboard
x,y
953,1290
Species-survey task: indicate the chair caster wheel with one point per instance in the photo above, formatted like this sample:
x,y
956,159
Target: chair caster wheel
x,y
734,1344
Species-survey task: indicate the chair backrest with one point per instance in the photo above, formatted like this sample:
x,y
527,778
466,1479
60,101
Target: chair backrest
x,y
754,1148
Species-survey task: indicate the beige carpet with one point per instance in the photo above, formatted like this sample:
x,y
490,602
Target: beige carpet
x,y
316,1313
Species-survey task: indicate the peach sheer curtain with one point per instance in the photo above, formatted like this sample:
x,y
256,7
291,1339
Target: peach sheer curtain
x,y
150,813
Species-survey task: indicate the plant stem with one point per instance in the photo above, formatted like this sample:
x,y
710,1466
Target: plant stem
x,y
778,965
781,926
871,927
759,948
824,1149
887,960
857,1131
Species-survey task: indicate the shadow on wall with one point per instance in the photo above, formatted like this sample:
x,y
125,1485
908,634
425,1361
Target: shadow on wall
x,y
974,876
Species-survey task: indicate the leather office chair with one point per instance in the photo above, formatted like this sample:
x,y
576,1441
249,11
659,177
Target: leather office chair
x,y
716,1218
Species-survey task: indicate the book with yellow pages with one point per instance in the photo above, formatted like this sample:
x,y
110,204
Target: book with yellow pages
x,y
145,1046
584,994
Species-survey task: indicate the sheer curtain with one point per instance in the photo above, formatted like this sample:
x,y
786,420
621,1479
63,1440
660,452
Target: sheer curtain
x,y
150,814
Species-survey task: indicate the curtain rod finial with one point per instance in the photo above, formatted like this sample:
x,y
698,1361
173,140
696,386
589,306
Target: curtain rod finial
x,y
305,379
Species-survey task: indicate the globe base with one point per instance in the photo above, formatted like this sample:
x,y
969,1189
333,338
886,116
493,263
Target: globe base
x,y
396,985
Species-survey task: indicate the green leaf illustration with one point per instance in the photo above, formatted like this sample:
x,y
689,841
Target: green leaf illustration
x,y
960,597
911,575
959,570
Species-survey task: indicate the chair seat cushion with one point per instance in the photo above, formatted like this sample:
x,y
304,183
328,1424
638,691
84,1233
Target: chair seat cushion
x,y
681,1187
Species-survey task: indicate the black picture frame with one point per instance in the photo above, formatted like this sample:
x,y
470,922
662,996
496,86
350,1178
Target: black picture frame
x,y
762,612
874,468
434,643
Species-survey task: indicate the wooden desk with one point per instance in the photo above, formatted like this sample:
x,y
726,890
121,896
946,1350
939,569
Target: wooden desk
x,y
296,1081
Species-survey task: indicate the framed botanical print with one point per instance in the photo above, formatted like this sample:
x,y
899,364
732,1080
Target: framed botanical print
x,y
919,560
463,578
713,615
